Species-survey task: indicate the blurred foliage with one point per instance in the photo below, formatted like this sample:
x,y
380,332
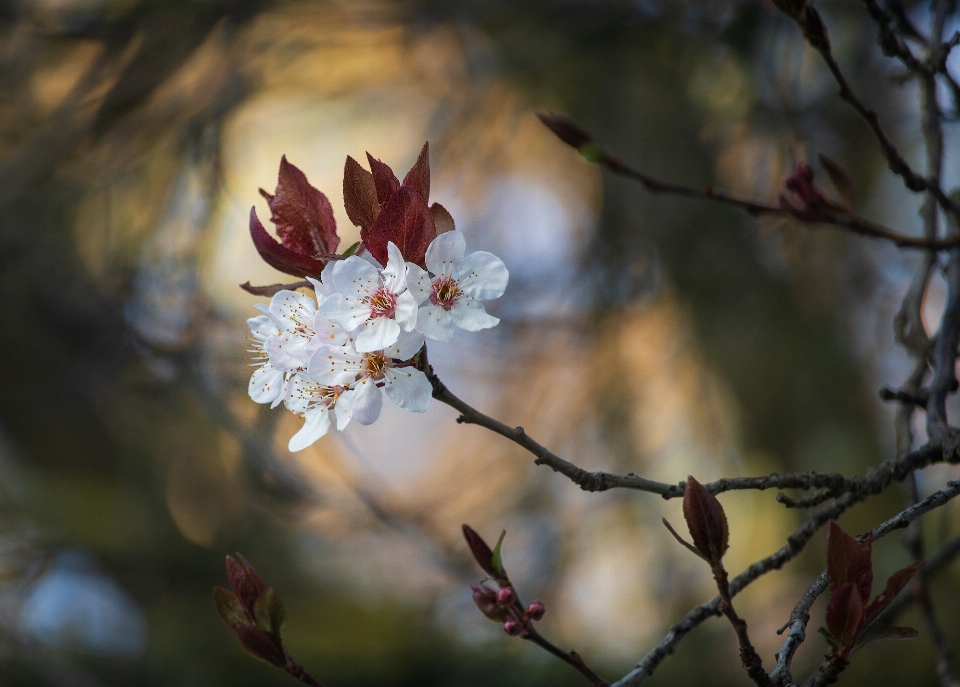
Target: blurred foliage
x,y
685,337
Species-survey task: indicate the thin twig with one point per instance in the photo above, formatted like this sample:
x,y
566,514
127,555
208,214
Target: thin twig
x,y
571,658
820,215
602,481
749,658
898,165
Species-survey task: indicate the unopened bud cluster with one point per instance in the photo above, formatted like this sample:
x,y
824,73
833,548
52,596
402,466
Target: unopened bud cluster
x,y
504,606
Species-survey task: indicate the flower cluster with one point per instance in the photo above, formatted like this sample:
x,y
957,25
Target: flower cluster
x,y
359,336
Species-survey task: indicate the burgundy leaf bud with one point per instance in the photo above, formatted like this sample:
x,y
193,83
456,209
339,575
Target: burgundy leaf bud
x,y
486,600
513,628
481,552
535,610
505,596
565,129
706,521
246,582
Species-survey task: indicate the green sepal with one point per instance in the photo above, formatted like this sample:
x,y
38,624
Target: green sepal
x,y
270,612
591,152
229,607
351,250
498,556
829,637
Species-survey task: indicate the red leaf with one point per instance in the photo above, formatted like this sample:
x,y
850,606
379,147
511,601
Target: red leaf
x,y
406,221
279,257
246,581
442,220
261,645
359,194
418,178
303,215
845,614
848,562
705,520
274,289
895,585
384,180
481,552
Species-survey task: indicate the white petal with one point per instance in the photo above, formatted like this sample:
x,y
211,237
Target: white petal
x,y
418,282
319,290
328,333
405,311
349,313
331,365
286,352
292,308
262,327
395,273
367,256
316,425
470,315
381,332
344,408
355,277
266,384
408,344
445,254
409,388
367,401
435,322
484,276
284,393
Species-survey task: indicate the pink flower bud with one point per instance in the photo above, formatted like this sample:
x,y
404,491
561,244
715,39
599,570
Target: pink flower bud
x,y
535,610
513,628
505,596
486,600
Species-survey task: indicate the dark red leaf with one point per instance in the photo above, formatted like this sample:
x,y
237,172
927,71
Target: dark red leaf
x,y
406,221
261,644
384,180
706,520
442,220
303,215
481,552
274,289
565,129
279,257
359,194
849,561
418,178
845,614
895,585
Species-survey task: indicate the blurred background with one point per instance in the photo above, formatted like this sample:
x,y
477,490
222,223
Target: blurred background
x,y
639,333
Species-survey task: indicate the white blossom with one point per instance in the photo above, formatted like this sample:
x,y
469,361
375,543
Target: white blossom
x,y
266,382
314,402
364,295
451,297
367,372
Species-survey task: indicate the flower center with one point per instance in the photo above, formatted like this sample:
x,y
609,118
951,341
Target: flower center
x,y
383,303
375,364
445,292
